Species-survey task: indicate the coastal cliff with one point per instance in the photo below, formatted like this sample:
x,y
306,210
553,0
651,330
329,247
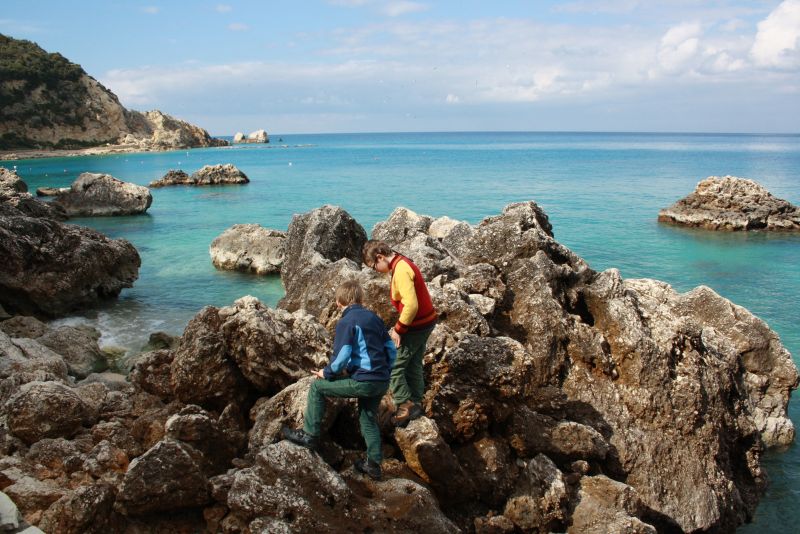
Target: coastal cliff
x,y
47,102
559,398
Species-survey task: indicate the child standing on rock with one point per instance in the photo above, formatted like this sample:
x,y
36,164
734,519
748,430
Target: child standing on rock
x,y
363,354
409,295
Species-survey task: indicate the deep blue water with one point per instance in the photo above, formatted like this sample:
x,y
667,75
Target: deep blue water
x,y
602,192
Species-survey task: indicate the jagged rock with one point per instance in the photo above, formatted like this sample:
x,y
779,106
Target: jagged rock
x,y
194,426
730,203
207,175
249,248
79,349
402,224
539,502
152,373
238,138
429,456
112,381
493,468
52,268
161,340
24,326
286,408
219,174
87,510
293,483
15,199
9,514
23,355
33,496
607,506
118,435
454,235
531,433
169,476
44,410
314,241
94,194
173,177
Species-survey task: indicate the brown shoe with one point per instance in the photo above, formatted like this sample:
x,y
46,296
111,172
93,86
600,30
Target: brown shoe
x,y
406,412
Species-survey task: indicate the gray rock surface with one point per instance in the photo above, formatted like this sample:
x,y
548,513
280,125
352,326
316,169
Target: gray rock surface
x,y
207,175
45,410
94,194
249,248
730,203
15,199
78,347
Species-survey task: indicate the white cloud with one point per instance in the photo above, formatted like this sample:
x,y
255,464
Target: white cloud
x,y
223,8
452,99
151,10
396,9
776,43
238,27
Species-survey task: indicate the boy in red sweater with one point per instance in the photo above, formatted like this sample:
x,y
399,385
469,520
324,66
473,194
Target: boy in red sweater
x,y
410,297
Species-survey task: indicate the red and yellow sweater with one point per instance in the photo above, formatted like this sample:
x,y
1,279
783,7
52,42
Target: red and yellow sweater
x,y
410,296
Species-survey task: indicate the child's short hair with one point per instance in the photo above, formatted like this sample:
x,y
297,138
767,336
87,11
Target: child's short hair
x,y
349,292
372,248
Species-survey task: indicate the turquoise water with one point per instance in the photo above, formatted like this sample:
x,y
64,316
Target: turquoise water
x,y
601,191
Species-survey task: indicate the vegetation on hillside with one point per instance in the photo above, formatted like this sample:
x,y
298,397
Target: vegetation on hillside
x,y
27,69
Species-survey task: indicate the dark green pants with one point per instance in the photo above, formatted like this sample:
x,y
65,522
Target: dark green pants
x,y
408,381
369,398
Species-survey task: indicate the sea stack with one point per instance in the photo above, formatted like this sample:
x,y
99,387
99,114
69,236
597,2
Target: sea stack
x,y
730,203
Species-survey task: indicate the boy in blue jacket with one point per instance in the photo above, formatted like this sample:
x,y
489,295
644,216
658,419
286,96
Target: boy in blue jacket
x,y
361,365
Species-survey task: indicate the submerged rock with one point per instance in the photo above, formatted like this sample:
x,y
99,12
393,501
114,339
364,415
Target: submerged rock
x,y
730,203
95,194
249,248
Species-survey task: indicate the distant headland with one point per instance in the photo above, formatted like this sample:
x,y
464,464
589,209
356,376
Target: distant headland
x,y
52,107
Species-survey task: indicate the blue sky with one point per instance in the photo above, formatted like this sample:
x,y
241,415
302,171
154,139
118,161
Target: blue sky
x,y
386,65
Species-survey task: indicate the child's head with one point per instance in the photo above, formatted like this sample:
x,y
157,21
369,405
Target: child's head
x,y
349,292
374,248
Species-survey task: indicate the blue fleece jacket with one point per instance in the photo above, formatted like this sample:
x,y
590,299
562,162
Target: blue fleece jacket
x,y
362,347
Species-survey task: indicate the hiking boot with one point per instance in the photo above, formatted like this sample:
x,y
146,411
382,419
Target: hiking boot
x,y
300,437
369,468
406,412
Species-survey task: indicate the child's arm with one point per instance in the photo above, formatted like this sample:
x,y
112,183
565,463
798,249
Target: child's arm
x,y
404,282
342,349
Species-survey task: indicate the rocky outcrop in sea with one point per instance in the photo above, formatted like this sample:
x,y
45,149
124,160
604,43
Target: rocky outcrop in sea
x,y
94,194
249,248
558,399
207,175
259,136
51,268
730,203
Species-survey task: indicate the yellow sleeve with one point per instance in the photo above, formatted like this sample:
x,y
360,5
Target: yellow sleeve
x,y
404,284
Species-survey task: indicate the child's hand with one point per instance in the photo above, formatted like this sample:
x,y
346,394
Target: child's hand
x,y
395,337
318,373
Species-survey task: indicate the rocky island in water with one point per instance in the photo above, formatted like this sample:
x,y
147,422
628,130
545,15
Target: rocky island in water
x,y
558,398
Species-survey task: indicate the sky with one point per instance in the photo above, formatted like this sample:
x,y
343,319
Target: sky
x,y
330,66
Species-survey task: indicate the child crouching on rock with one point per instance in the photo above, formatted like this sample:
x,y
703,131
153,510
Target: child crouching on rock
x,y
361,364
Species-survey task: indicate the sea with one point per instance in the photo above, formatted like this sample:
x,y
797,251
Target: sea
x,y
601,191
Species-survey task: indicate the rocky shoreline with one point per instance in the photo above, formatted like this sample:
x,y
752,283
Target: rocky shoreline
x,y
559,399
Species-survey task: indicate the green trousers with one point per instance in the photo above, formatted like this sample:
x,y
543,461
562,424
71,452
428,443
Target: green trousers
x,y
369,399
408,381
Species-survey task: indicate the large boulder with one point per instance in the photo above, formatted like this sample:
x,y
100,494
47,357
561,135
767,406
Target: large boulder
x,y
249,248
606,506
730,203
51,268
322,240
45,410
94,194
16,200
78,347
173,177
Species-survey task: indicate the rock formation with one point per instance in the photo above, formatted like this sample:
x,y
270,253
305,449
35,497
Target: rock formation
x,y
95,194
558,399
730,203
259,136
51,268
208,175
249,248
52,103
